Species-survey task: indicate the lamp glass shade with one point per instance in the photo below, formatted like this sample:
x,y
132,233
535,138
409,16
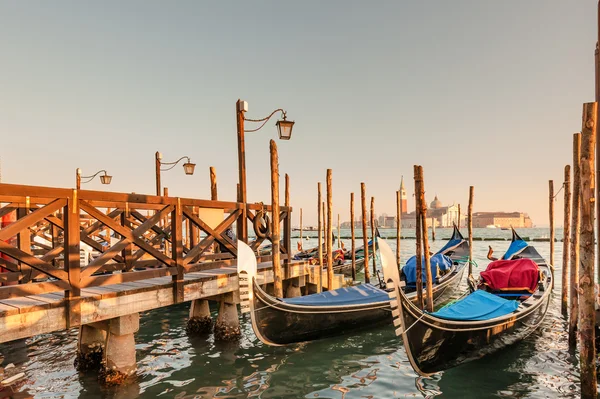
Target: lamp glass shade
x,y
105,179
284,127
189,167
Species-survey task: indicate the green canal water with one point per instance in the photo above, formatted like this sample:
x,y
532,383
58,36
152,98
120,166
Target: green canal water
x,y
367,364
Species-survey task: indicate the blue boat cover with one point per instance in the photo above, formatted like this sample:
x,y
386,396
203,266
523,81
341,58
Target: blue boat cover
x,y
355,295
514,248
480,305
437,260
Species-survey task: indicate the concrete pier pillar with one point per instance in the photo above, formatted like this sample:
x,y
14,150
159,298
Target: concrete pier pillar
x,y
90,348
200,321
293,288
227,327
119,354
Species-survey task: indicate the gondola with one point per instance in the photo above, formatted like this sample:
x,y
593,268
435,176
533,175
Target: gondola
x,y
284,321
508,303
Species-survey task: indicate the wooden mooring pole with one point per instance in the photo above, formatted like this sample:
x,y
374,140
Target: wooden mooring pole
x,y
587,313
329,235
287,222
433,229
277,274
458,222
320,238
551,215
363,201
418,233
338,233
566,240
575,234
353,237
423,217
373,240
301,237
398,226
470,227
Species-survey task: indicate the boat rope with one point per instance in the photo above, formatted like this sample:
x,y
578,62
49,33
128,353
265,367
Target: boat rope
x,y
413,324
561,188
466,260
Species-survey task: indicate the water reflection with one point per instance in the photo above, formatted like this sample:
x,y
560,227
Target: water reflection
x,y
367,364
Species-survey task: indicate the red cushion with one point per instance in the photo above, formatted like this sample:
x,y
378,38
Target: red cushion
x,y
511,275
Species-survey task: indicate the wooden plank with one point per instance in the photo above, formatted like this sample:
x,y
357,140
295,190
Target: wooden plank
x,y
21,290
25,304
32,261
118,278
24,325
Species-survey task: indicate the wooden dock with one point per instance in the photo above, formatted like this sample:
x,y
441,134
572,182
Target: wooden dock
x,y
150,252
31,315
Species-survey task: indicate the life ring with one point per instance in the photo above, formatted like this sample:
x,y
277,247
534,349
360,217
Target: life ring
x,y
262,225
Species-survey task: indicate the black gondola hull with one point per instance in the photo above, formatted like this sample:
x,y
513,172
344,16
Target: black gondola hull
x,y
279,323
437,345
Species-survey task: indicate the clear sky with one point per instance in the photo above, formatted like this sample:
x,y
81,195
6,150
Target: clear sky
x,y
483,93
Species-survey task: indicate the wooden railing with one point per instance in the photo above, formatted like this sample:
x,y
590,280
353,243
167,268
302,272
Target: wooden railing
x,y
133,236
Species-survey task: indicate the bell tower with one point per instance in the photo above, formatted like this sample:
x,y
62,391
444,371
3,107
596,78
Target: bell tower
x,y
403,198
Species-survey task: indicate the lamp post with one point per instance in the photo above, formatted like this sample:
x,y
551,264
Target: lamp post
x,y
284,129
188,167
104,179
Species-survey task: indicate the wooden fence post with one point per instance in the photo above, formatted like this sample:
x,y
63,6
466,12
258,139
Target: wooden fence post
x,y
587,312
177,249
363,200
275,237
353,237
566,241
71,259
575,234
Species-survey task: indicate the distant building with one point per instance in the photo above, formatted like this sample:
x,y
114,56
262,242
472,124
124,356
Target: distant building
x,y
437,213
502,219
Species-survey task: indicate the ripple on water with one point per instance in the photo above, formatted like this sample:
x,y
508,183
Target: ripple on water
x,y
367,364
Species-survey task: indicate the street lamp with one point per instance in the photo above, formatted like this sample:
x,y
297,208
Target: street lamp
x,y
104,179
284,129
188,168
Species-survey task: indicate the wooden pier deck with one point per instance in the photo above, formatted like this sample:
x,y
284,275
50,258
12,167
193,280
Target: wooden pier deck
x,y
148,252
43,313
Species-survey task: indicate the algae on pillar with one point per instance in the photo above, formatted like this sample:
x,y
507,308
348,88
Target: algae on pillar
x,y
90,348
200,321
118,363
227,327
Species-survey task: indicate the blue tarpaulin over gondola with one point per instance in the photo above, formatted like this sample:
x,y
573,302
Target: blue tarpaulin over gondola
x,y
355,295
480,305
438,260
